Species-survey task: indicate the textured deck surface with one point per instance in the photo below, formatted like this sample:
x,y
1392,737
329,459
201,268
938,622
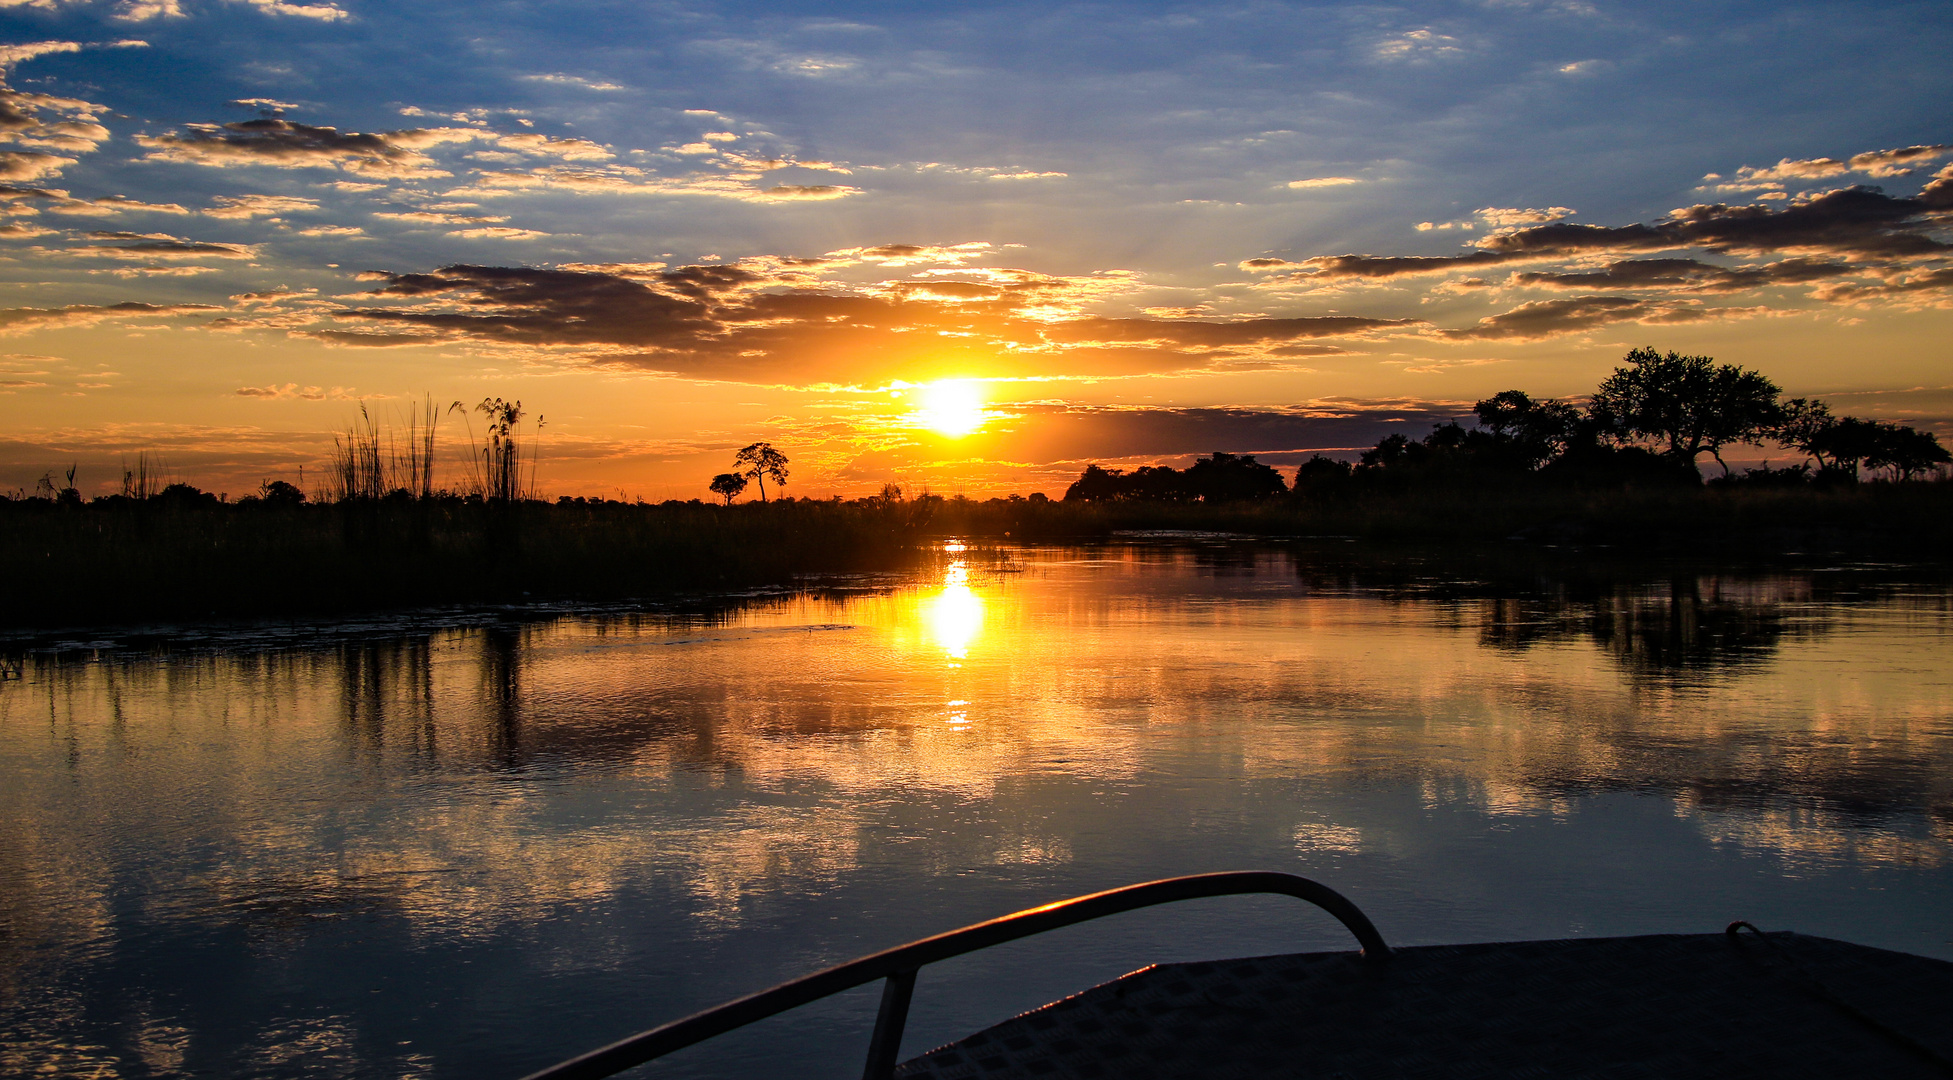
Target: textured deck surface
x,y
1669,1006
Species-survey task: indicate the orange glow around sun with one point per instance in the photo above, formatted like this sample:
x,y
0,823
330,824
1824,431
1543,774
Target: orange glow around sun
x,y
952,407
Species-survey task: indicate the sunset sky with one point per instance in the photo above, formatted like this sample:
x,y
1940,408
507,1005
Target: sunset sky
x,y
1126,233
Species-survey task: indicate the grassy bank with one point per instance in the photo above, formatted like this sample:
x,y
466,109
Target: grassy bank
x,y
122,560
127,561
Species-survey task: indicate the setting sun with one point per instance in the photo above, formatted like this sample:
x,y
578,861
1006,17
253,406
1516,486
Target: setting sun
x,y
952,407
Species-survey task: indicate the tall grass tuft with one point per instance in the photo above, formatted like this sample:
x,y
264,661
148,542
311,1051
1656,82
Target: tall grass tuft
x,y
414,465
149,477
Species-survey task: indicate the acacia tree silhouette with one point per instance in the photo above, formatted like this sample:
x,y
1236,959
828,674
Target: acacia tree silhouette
x,y
728,485
1691,403
761,462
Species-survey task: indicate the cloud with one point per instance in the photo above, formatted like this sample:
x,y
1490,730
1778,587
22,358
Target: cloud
x,y
429,217
1324,182
155,271
899,255
250,206
264,103
1882,163
629,180
12,55
332,230
1506,217
807,192
113,204
539,145
1856,224
23,320
498,232
1875,163
758,321
321,12
293,391
1689,274
1374,266
128,245
1554,318
1422,44
287,144
1893,284
146,10
19,165
577,81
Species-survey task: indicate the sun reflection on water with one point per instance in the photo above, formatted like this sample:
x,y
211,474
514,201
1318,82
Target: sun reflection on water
x,y
955,614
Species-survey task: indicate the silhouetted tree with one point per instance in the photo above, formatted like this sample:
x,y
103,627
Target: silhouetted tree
x,y
1232,478
1216,478
1393,450
1843,444
1534,432
728,485
1096,484
761,462
1804,426
1905,451
1321,476
1688,403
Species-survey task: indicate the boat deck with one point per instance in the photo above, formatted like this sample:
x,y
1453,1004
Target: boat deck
x,y
1778,1005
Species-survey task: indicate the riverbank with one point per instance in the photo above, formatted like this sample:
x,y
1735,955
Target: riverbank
x,y
1913,520
99,565
120,561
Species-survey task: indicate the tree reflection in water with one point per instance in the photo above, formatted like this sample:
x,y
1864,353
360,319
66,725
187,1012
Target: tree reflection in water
x,y
559,829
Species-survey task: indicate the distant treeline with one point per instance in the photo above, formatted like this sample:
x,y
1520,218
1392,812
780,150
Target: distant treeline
x,y
1646,425
1619,470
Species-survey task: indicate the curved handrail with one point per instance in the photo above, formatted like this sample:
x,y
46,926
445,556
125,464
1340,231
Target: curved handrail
x,y
898,966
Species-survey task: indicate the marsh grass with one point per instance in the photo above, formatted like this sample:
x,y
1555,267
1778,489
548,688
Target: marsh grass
x,y
372,459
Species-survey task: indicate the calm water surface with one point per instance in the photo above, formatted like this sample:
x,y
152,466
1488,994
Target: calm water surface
x,y
470,849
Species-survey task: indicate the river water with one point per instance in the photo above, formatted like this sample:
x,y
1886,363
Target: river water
x,y
471,846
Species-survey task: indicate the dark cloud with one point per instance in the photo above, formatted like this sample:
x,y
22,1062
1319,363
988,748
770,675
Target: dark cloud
x,y
1853,221
1381,266
1858,223
288,144
130,245
751,323
1689,274
21,320
1552,318
1058,440
1073,433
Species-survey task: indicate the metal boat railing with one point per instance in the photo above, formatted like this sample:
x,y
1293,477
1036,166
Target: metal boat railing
x,y
899,966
